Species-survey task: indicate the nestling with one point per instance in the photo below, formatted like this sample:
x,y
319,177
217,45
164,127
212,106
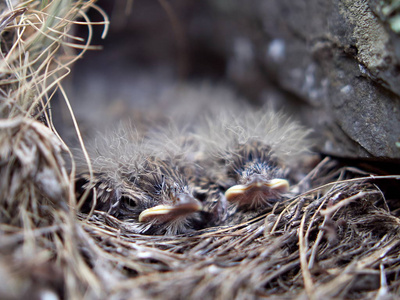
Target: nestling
x,y
135,185
253,153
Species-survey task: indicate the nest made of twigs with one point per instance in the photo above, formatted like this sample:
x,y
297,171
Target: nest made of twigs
x,y
338,239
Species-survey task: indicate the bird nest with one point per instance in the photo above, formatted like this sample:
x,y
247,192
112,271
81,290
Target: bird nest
x,y
337,239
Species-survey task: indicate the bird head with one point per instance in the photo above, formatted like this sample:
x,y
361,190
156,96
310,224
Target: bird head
x,y
173,206
258,176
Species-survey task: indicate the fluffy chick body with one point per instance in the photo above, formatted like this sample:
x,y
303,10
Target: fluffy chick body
x,y
252,154
138,187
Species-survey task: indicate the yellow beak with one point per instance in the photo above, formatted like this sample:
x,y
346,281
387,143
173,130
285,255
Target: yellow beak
x,y
165,213
244,194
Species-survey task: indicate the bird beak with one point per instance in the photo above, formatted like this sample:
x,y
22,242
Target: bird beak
x,y
185,205
257,189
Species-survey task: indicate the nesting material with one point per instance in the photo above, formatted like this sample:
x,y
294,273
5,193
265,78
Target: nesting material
x,y
38,250
336,237
330,233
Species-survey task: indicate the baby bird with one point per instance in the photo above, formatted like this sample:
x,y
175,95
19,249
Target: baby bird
x,y
257,175
252,154
139,187
175,143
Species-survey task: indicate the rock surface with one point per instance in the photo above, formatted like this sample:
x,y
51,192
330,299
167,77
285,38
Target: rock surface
x,y
341,58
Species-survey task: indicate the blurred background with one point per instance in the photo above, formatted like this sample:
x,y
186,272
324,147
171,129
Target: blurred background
x,y
334,65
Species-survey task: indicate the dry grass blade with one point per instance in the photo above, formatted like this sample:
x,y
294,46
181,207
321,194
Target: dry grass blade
x,y
308,283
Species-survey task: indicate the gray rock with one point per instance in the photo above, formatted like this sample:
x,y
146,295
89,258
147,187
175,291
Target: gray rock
x,y
339,57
